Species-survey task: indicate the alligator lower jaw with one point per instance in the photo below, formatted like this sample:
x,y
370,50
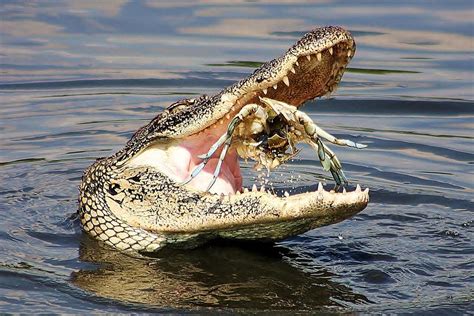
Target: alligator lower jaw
x,y
320,202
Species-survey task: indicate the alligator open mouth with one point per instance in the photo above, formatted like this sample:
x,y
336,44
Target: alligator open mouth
x,y
178,179
312,68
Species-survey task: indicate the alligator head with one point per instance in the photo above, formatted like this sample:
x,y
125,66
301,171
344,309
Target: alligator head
x,y
136,200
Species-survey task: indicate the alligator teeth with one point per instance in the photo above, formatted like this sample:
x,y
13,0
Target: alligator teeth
x,y
237,193
227,116
318,56
246,190
366,191
265,91
286,81
308,57
275,86
358,188
254,188
262,189
330,50
296,63
349,52
320,187
286,194
293,70
344,190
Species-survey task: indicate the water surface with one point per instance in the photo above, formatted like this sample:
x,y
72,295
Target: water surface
x,y
79,77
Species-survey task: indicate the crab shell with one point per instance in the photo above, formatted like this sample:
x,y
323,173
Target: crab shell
x,y
266,137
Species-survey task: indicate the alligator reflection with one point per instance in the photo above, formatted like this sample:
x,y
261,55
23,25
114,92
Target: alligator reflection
x,y
228,276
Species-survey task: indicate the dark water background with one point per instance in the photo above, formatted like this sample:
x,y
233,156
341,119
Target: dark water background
x,y
77,78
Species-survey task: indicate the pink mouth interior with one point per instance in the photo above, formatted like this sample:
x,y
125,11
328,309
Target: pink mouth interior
x,y
185,158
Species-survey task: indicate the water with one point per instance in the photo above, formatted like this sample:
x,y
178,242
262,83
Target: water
x,y
79,77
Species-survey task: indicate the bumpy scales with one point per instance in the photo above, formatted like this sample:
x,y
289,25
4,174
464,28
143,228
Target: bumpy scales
x,y
154,192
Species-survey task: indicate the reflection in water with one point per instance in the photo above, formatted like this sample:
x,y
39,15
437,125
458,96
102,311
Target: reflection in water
x,y
225,276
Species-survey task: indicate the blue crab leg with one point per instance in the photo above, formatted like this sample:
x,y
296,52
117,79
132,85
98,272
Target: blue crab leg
x,y
314,131
219,163
206,157
329,160
337,141
335,167
225,139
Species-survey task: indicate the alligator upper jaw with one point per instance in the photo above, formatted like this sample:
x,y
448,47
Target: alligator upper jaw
x,y
312,68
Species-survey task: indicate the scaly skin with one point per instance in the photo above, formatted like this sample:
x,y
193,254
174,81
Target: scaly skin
x,y
139,208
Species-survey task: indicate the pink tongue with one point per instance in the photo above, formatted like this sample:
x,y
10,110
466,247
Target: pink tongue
x,y
182,160
225,183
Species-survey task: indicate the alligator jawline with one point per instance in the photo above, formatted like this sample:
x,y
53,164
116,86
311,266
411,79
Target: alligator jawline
x,y
299,79
133,200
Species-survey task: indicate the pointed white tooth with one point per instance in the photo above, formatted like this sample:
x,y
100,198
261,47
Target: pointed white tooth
x,y
349,52
332,191
265,91
308,57
221,122
254,188
286,194
320,187
357,188
227,116
296,63
330,50
366,191
318,56
262,189
246,190
275,86
286,81
293,70
237,193
233,108
344,190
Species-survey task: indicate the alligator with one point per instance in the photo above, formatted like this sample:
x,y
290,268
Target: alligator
x,y
177,182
